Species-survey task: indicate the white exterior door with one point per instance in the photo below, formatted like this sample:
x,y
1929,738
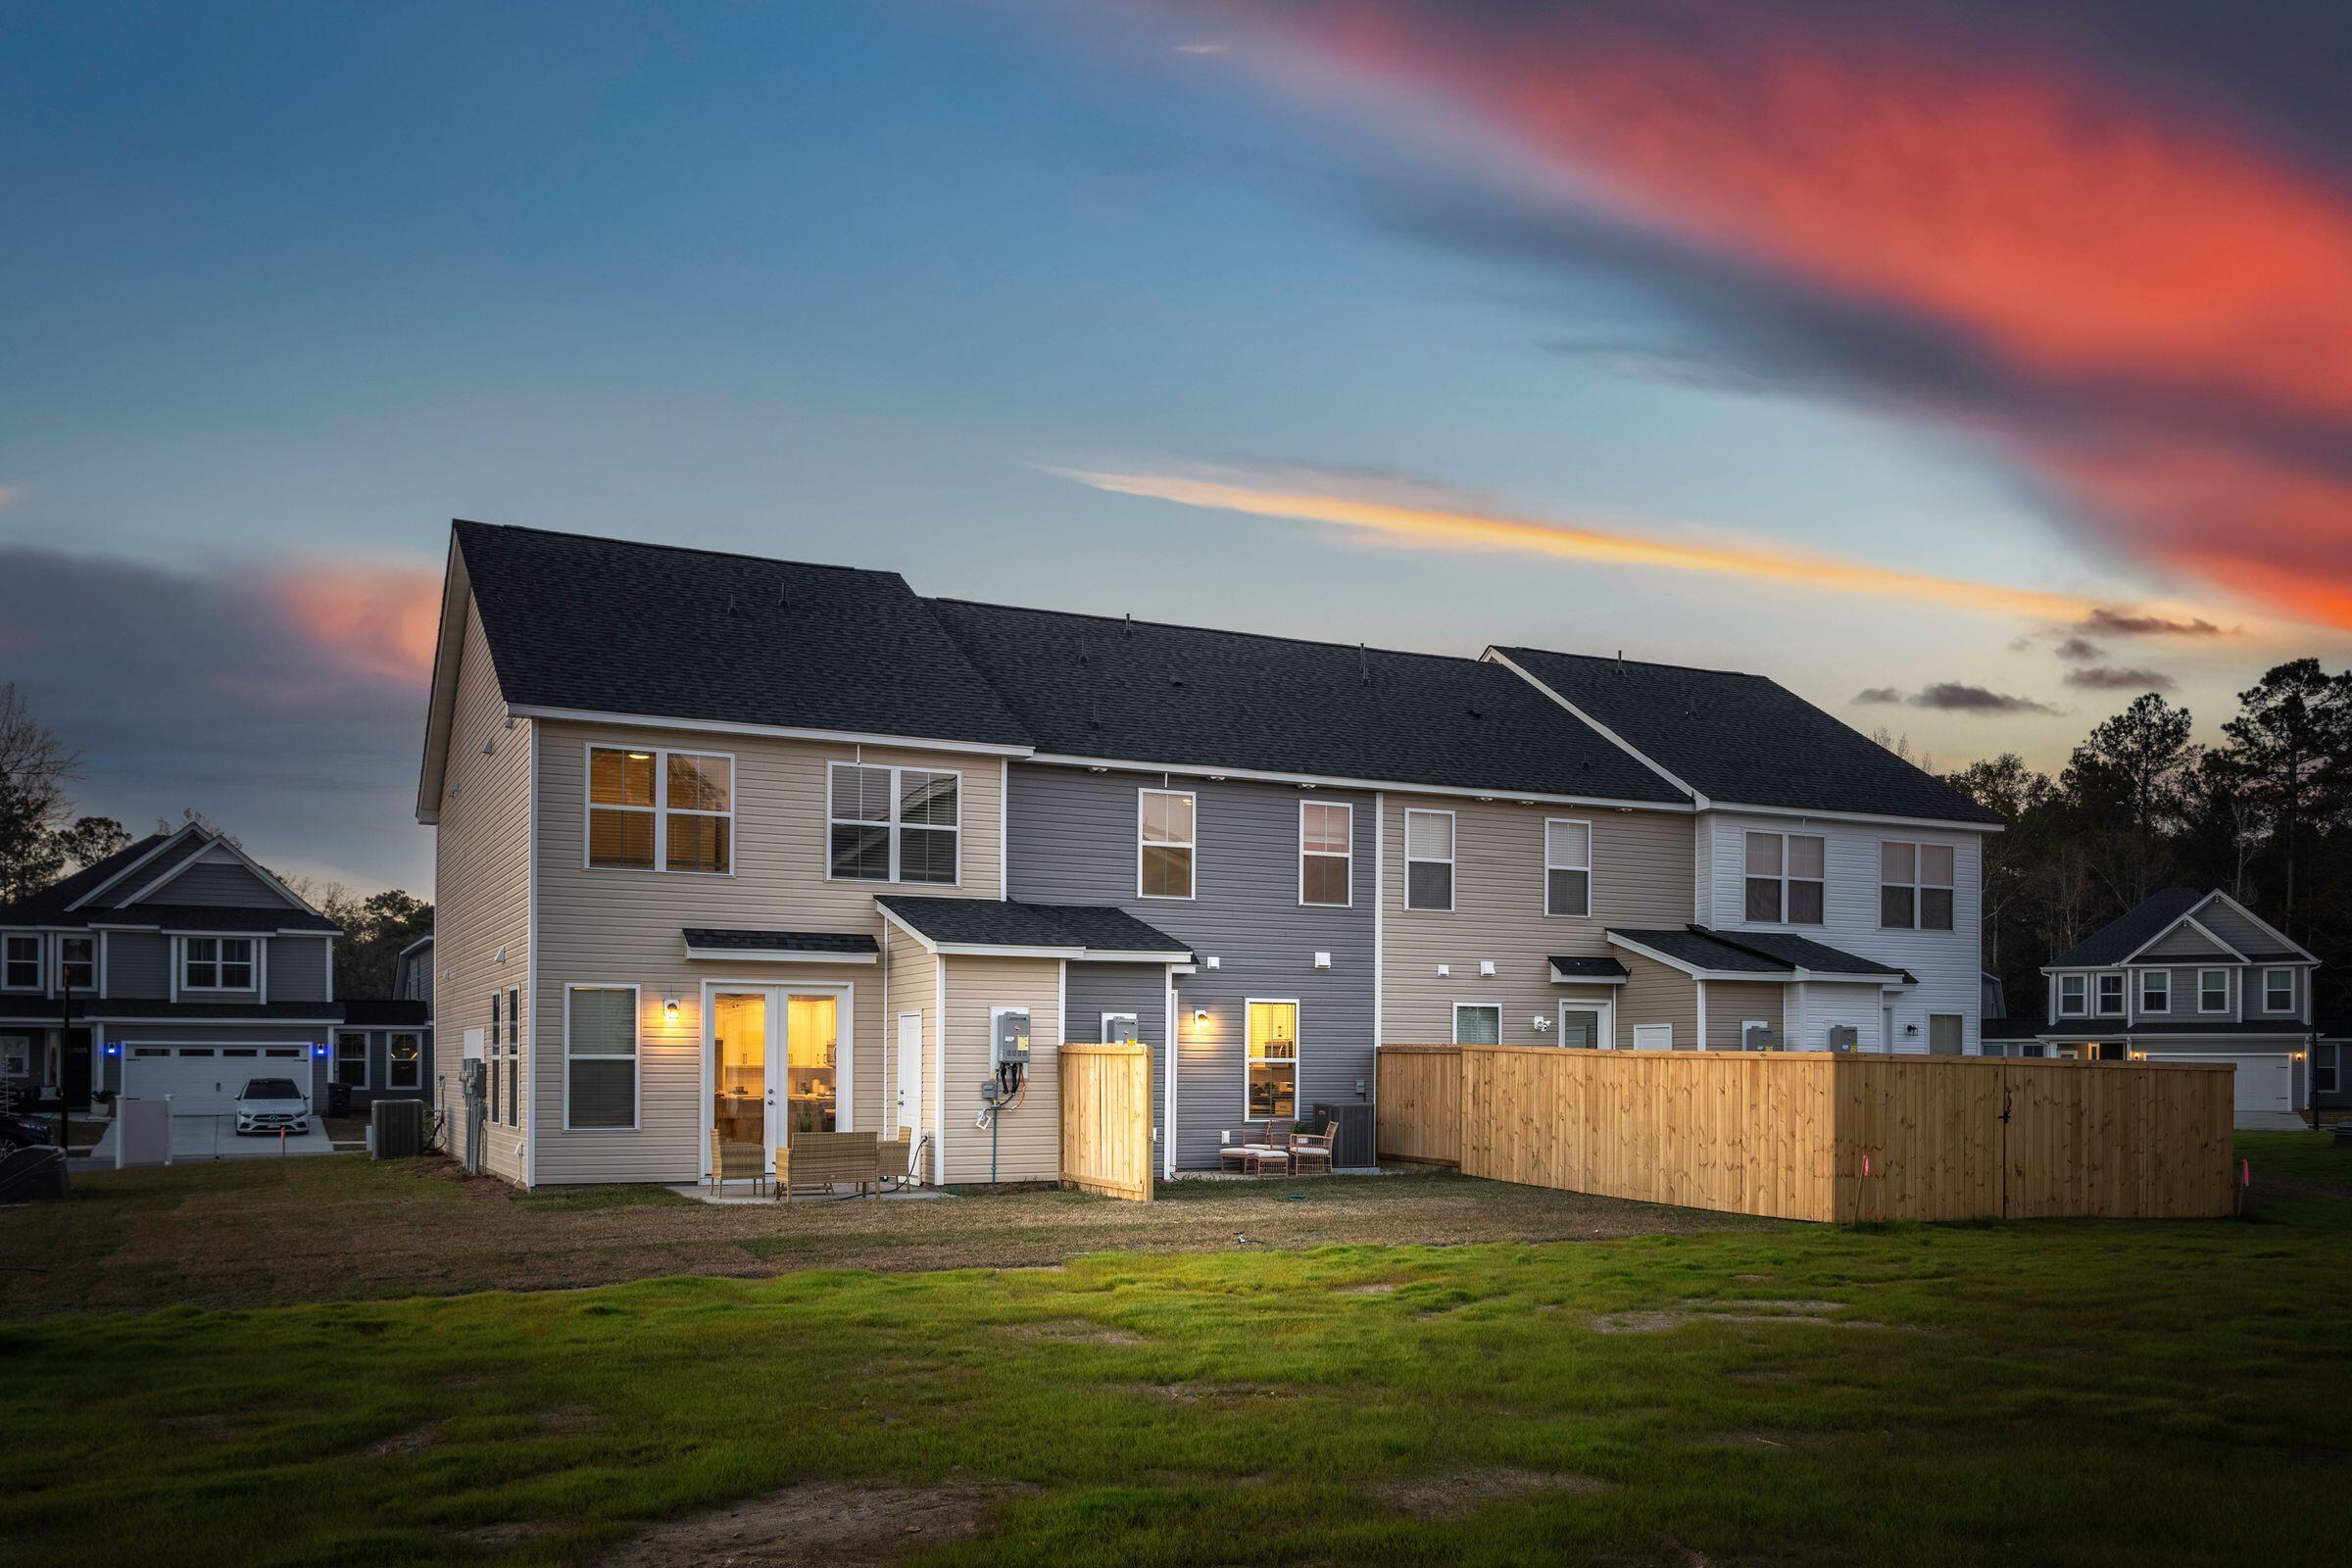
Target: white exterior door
x,y
1588,1025
206,1080
910,1076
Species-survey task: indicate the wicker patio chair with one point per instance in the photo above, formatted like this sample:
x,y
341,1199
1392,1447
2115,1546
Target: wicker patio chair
x,y
1310,1150
1269,1153
891,1161
736,1161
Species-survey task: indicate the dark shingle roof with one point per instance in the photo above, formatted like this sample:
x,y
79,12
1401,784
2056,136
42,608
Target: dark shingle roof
x,y
213,918
385,1012
2129,931
48,907
2082,1029
1696,947
1746,740
622,628
841,942
1142,691
1760,953
1004,923
2010,1028
191,1012
1803,952
1588,970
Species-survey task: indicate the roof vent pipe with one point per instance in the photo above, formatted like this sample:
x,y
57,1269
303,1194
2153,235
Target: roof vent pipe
x,y
1363,664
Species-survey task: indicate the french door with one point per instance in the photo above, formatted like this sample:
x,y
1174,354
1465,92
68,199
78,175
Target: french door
x,y
777,1064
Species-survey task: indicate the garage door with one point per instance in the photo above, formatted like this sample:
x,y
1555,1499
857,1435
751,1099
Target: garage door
x,y
2264,1084
204,1080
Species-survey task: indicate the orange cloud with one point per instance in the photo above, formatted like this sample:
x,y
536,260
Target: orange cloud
x,y
367,619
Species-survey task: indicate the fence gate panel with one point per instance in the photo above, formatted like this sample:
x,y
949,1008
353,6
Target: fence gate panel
x,y
1106,1119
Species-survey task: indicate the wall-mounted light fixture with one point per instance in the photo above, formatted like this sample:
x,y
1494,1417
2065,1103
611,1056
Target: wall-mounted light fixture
x,y
669,1009
1909,1030
1539,1023
1200,1017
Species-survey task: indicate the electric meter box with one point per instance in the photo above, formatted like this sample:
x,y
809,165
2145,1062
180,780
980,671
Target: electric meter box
x,y
1012,1035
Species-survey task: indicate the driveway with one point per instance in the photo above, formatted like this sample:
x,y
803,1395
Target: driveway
x,y
203,1138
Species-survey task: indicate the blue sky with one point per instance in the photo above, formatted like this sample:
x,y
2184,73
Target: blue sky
x,y
295,285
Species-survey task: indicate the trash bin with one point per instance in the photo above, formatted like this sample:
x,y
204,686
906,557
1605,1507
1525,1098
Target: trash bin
x,y
338,1100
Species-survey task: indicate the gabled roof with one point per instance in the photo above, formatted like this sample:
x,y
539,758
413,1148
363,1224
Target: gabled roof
x,y
1743,740
1768,956
49,906
237,919
2151,918
140,869
663,631
1100,688
1073,930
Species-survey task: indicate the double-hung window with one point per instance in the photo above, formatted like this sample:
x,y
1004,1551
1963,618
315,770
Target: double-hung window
x,y
893,824
513,1056
1272,1088
1164,823
2278,990
351,1060
1429,859
2155,990
216,964
1915,886
651,810
22,970
600,1057
1567,866
1326,853
2213,991
1786,878
498,1045
2111,994
404,1061
2074,991
78,963
2325,1065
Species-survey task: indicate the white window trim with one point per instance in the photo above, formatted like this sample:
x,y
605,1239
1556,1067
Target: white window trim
x,y
2166,976
56,978
2123,993
334,1060
2081,1010
1609,1020
1347,902
660,811
894,824
1460,1007
2201,977
2274,969
1919,884
1654,1031
1298,1050
1190,845
392,1065
2335,1069
40,960
180,959
636,1060
1453,850
1590,846
1103,1035
1784,879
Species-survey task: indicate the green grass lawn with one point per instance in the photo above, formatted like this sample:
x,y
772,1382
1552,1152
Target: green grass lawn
x,y
2069,1393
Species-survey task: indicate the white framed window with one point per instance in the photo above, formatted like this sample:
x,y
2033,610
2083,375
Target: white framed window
x,y
1121,1028
1787,878
1429,860
2155,990
1477,1024
1567,866
2325,1065
2213,991
2111,994
21,961
78,963
651,808
1326,853
16,1056
2279,990
600,1058
1165,822
497,1046
1653,1037
216,964
404,1060
351,1059
893,824
1915,886
513,1056
2074,991
1270,1087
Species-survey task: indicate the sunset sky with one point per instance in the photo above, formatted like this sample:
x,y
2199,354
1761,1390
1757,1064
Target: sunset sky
x,y
1969,369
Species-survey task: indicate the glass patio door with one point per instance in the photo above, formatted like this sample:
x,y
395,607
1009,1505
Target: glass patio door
x,y
812,1046
743,1096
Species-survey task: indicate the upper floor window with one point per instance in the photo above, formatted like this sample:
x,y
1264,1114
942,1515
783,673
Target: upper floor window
x,y
1429,859
2073,992
1326,853
893,824
2155,990
2213,991
217,964
22,969
2111,993
1915,886
2278,990
77,962
660,811
1786,878
1567,866
1164,820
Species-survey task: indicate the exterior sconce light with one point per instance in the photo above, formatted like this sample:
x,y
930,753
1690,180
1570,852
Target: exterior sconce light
x,y
1539,1023
669,1008
1199,1017
1909,1030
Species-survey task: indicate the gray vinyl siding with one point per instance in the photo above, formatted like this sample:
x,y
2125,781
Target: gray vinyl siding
x,y
1732,1002
2182,1002
219,883
1073,841
297,969
2182,942
379,1067
138,963
1656,993
2235,929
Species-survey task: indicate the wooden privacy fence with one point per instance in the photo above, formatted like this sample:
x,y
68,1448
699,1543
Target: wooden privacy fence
x,y
1821,1137
1106,1119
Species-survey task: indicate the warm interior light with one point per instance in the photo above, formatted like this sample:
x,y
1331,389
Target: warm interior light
x,y
641,757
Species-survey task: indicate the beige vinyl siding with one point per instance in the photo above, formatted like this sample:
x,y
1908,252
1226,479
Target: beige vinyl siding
x,y
1732,1002
1029,1139
911,984
625,927
481,879
1641,876
1656,993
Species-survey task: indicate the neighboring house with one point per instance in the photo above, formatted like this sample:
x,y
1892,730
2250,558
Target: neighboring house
x,y
178,966
729,847
2330,1060
2193,976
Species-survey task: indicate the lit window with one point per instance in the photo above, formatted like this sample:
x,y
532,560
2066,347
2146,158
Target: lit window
x,y
651,809
217,964
1273,1082
1786,878
404,1055
78,959
1477,1024
1429,859
1567,866
24,962
893,824
1915,886
1326,853
1165,844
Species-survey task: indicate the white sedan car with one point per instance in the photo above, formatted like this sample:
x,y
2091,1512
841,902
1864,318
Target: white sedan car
x,y
271,1104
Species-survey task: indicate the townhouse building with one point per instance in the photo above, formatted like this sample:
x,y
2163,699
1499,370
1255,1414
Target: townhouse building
x,y
730,847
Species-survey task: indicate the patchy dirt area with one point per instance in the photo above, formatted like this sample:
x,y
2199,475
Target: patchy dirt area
x,y
817,1521
1458,1493
260,1233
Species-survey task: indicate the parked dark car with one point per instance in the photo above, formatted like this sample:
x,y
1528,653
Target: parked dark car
x,y
20,1131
